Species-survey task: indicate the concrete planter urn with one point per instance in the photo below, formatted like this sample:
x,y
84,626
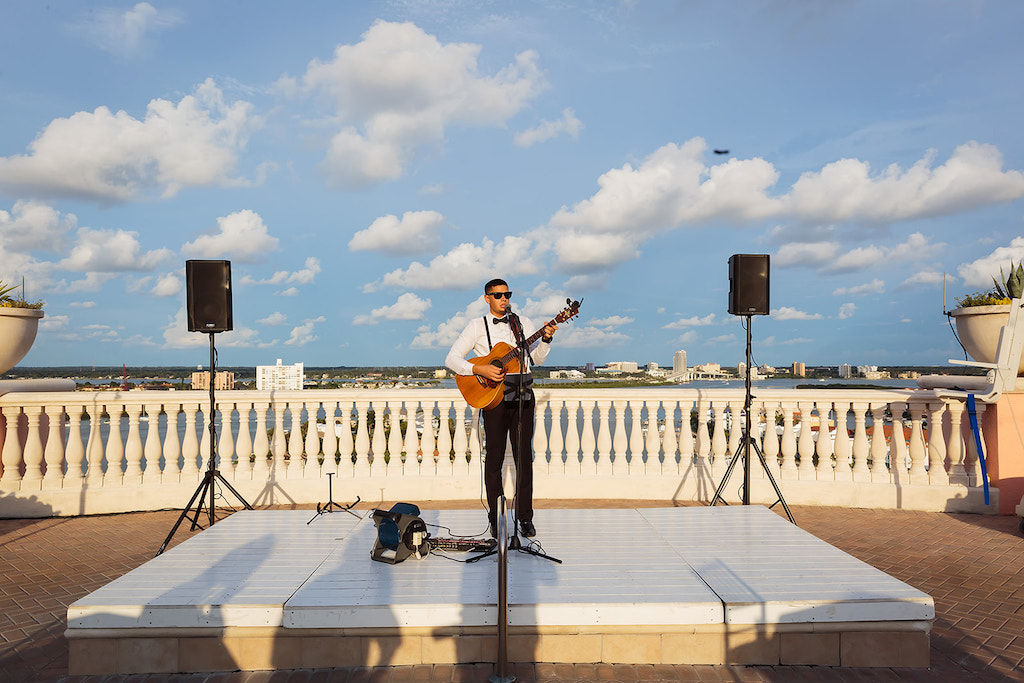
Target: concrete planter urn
x,y
978,328
18,327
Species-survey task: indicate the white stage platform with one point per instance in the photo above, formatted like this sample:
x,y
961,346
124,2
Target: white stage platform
x,y
265,590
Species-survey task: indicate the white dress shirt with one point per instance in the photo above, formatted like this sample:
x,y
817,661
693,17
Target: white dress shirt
x,y
474,338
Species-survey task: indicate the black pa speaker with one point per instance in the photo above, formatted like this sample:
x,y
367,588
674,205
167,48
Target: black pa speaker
x,y
748,284
209,295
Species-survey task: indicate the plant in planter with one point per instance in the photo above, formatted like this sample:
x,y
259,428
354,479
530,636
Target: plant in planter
x,y
19,322
981,315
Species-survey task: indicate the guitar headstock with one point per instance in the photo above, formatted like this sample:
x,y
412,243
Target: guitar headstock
x,y
571,310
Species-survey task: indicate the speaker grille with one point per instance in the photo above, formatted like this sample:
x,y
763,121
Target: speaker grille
x,y
748,284
209,295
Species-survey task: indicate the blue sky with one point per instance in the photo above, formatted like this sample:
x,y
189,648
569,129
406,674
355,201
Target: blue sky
x,y
367,166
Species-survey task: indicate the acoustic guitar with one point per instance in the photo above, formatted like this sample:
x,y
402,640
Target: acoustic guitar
x,y
480,392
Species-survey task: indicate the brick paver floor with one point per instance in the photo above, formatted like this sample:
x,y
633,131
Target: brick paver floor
x,y
972,565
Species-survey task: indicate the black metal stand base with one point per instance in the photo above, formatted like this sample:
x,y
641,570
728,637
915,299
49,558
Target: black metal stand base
x,y
744,455
330,505
205,486
205,491
744,451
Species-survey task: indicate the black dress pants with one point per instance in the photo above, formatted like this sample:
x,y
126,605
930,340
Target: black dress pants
x,y
501,422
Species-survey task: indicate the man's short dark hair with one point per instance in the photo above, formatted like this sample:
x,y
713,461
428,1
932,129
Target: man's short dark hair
x,y
496,282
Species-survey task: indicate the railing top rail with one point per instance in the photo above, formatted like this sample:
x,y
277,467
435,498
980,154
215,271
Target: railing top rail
x,y
544,393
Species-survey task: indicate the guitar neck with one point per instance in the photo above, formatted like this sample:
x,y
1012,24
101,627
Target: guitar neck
x,y
529,342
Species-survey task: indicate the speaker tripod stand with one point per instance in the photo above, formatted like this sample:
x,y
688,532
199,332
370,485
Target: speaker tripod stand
x,y
206,486
746,443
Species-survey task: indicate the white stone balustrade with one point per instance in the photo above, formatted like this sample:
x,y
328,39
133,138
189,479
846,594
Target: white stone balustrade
x,y
868,448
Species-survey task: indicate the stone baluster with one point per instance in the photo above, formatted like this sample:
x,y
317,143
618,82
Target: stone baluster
x,y
412,438
719,443
636,437
620,439
261,443
133,447
114,448
279,445
670,445
956,473
295,441
652,443
74,450
12,453
879,446
460,442
53,453
588,444
770,449
33,453
787,445
243,444
190,446
170,446
824,446
603,464
861,445
346,444
428,442
843,446
444,438
378,441
556,442
936,444
805,442
362,440
314,455
151,449
395,445
475,438
540,434
898,445
972,465
330,443
736,425
703,438
917,473
226,440
573,466
94,448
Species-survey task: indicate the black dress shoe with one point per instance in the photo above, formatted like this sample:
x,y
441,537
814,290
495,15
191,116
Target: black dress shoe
x,y
494,530
529,531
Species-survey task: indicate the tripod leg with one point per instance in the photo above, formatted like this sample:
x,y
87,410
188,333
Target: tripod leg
x,y
184,513
775,486
728,472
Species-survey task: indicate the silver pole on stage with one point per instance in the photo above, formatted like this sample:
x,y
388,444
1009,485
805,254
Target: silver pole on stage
x,y
501,667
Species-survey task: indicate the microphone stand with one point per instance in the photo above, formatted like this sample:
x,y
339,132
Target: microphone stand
x,y
520,337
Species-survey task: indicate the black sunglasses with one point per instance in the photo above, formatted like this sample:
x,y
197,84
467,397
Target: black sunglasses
x,y
500,295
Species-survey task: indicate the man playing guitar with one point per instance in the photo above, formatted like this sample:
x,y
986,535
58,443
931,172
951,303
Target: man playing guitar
x,y
512,417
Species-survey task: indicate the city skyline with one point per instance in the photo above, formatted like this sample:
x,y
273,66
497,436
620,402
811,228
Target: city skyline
x,y
367,167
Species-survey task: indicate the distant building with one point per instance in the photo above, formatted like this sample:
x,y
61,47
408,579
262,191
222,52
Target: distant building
x,y
679,362
225,380
621,366
589,367
279,377
799,370
567,374
440,374
845,371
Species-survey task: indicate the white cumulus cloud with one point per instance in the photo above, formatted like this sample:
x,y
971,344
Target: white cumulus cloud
x,y
546,130
407,307
110,156
399,89
416,232
241,235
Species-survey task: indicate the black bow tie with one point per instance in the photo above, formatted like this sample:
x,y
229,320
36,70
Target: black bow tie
x,y
500,320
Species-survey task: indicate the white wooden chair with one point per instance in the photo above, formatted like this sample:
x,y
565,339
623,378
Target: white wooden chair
x,y
1001,376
